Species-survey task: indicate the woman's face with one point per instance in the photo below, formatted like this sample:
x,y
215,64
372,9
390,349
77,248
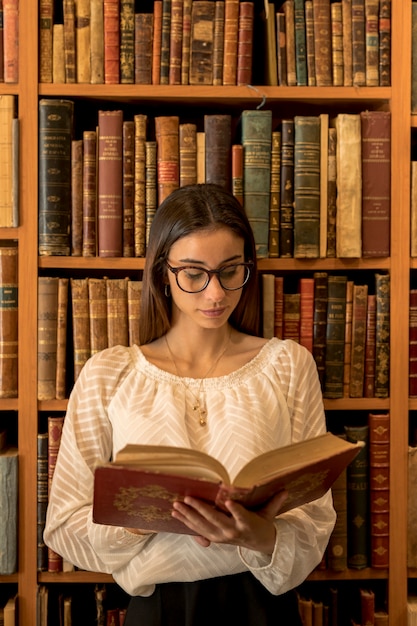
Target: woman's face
x,y
210,250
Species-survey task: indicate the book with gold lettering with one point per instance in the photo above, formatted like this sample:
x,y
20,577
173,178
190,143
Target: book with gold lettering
x,y
137,489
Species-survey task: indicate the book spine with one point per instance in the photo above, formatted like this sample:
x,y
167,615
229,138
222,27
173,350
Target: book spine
x,y
128,165
201,43
175,44
335,336
268,304
46,22
320,323
140,122
372,43
337,549
336,23
9,475
322,39
41,500
151,191
281,44
306,289
306,186
144,28
291,317
367,600
110,178
369,382
83,40
385,43
275,195
69,40
357,366
111,17
117,322
358,43
11,41
201,157
9,321
245,43
286,224
300,43
188,154
186,42
331,194
218,43
55,136
55,425
310,52
97,310
347,42
89,193
413,344
379,487
76,197
167,138
7,113
156,42
218,132
61,340
134,296
80,323
256,141
382,343
237,172
324,182
348,338
1,42
126,43
279,306
97,41
231,31
289,16
165,42
47,336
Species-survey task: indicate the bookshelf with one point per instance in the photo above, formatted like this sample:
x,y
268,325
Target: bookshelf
x,y
395,98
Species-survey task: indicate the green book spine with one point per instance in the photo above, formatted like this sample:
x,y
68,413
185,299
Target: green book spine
x,y
8,508
320,323
286,222
300,43
256,140
335,336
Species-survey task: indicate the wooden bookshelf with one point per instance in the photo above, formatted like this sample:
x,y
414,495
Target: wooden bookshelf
x,y
395,98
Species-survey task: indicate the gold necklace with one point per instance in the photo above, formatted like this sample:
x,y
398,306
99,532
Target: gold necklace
x,y
198,405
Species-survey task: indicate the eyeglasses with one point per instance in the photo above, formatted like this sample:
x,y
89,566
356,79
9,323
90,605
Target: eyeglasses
x,y
193,279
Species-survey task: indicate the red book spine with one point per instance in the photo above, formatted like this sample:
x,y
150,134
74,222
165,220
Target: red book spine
x,y
245,43
55,425
237,172
379,487
413,344
369,377
156,44
279,306
111,41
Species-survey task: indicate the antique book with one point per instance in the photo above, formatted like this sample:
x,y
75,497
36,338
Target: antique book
x,y
372,43
412,510
11,40
336,24
300,43
46,22
41,500
279,306
306,186
151,192
337,547
269,17
331,194
134,296
281,45
413,208
349,186
218,133
83,40
357,361
1,43
127,39
201,157
376,183
381,618
358,43
186,41
7,167
218,42
54,195
306,290
256,141
358,499
128,194
68,8
379,487
188,154
305,609
237,171
156,42
348,339
310,52
165,42
367,602
55,424
9,476
412,342
347,42
286,216
117,321
89,193
111,19
47,336
382,342
384,43
175,43
201,42
97,310
61,339
97,41
291,316
58,59
323,42
138,488
245,43
143,48
231,29
335,336
320,323
110,183
275,194
77,197
167,138
369,374
9,321
288,8
139,206
80,323
324,182
268,305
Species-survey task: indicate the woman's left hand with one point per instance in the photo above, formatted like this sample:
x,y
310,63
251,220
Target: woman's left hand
x,y
247,529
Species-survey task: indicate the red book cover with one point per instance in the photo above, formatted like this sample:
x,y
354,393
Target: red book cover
x,y
245,43
379,486
413,344
111,41
369,379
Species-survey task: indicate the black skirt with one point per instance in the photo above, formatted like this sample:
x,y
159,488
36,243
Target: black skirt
x,y
237,599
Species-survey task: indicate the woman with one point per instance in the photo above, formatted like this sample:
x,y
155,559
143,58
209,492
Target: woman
x,y
201,378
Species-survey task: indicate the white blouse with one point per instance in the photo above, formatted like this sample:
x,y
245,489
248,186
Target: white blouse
x,y
121,398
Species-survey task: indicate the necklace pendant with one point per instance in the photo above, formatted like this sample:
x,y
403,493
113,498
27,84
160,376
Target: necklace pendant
x,y
202,419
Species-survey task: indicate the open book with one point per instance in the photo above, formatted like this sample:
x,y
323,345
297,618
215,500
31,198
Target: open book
x,y
138,488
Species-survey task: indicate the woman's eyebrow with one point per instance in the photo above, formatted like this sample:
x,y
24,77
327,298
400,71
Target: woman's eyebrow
x,y
197,262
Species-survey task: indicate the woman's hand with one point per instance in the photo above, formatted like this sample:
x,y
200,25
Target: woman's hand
x,y
247,529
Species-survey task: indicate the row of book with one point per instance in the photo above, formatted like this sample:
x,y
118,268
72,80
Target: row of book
x,y
345,325
9,162
9,41
188,42
328,43
311,186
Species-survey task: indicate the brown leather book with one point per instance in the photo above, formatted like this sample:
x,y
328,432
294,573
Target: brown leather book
x,y
165,42
201,43
306,291
385,43
11,40
83,41
245,43
143,48
323,41
376,183
218,132
47,336
286,216
347,42
175,43
357,360
80,323
201,157
97,307
336,24
156,43
89,193
367,598
188,154
9,321
358,43
218,42
237,171
291,317
128,187
117,320
335,336
77,197
69,40
268,305
61,342
55,425
278,306
281,44
369,376
288,8
275,194
331,194
110,183
186,41
134,296
379,487
151,190
382,342
231,29
167,137
46,22
372,43
140,121
348,339
127,41
412,339
111,41
97,41
320,322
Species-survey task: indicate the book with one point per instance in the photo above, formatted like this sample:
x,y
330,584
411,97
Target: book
x,y
55,425
286,216
175,43
134,296
111,21
306,289
139,202
11,40
151,193
358,44
128,172
357,362
384,43
412,343
61,338
167,138
201,42
412,509
270,49
68,8
369,374
80,323
218,146
310,52
97,309
46,22
291,316
9,474
77,197
218,43
188,154
413,209
379,487
138,488
1,43
337,548
275,194
268,305
376,183
156,42
256,141
245,43
144,30
58,59
117,320
10,611
165,42
348,338
109,187
237,171
382,333
47,336
83,40
335,336
288,8
336,24
331,194
324,171
54,195
97,42
231,31
279,306
41,500
300,42
367,602
186,41
322,40
127,41
372,43
89,238
320,323
358,499
9,303
347,42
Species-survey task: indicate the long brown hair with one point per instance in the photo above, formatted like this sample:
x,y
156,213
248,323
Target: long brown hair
x,y
186,211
